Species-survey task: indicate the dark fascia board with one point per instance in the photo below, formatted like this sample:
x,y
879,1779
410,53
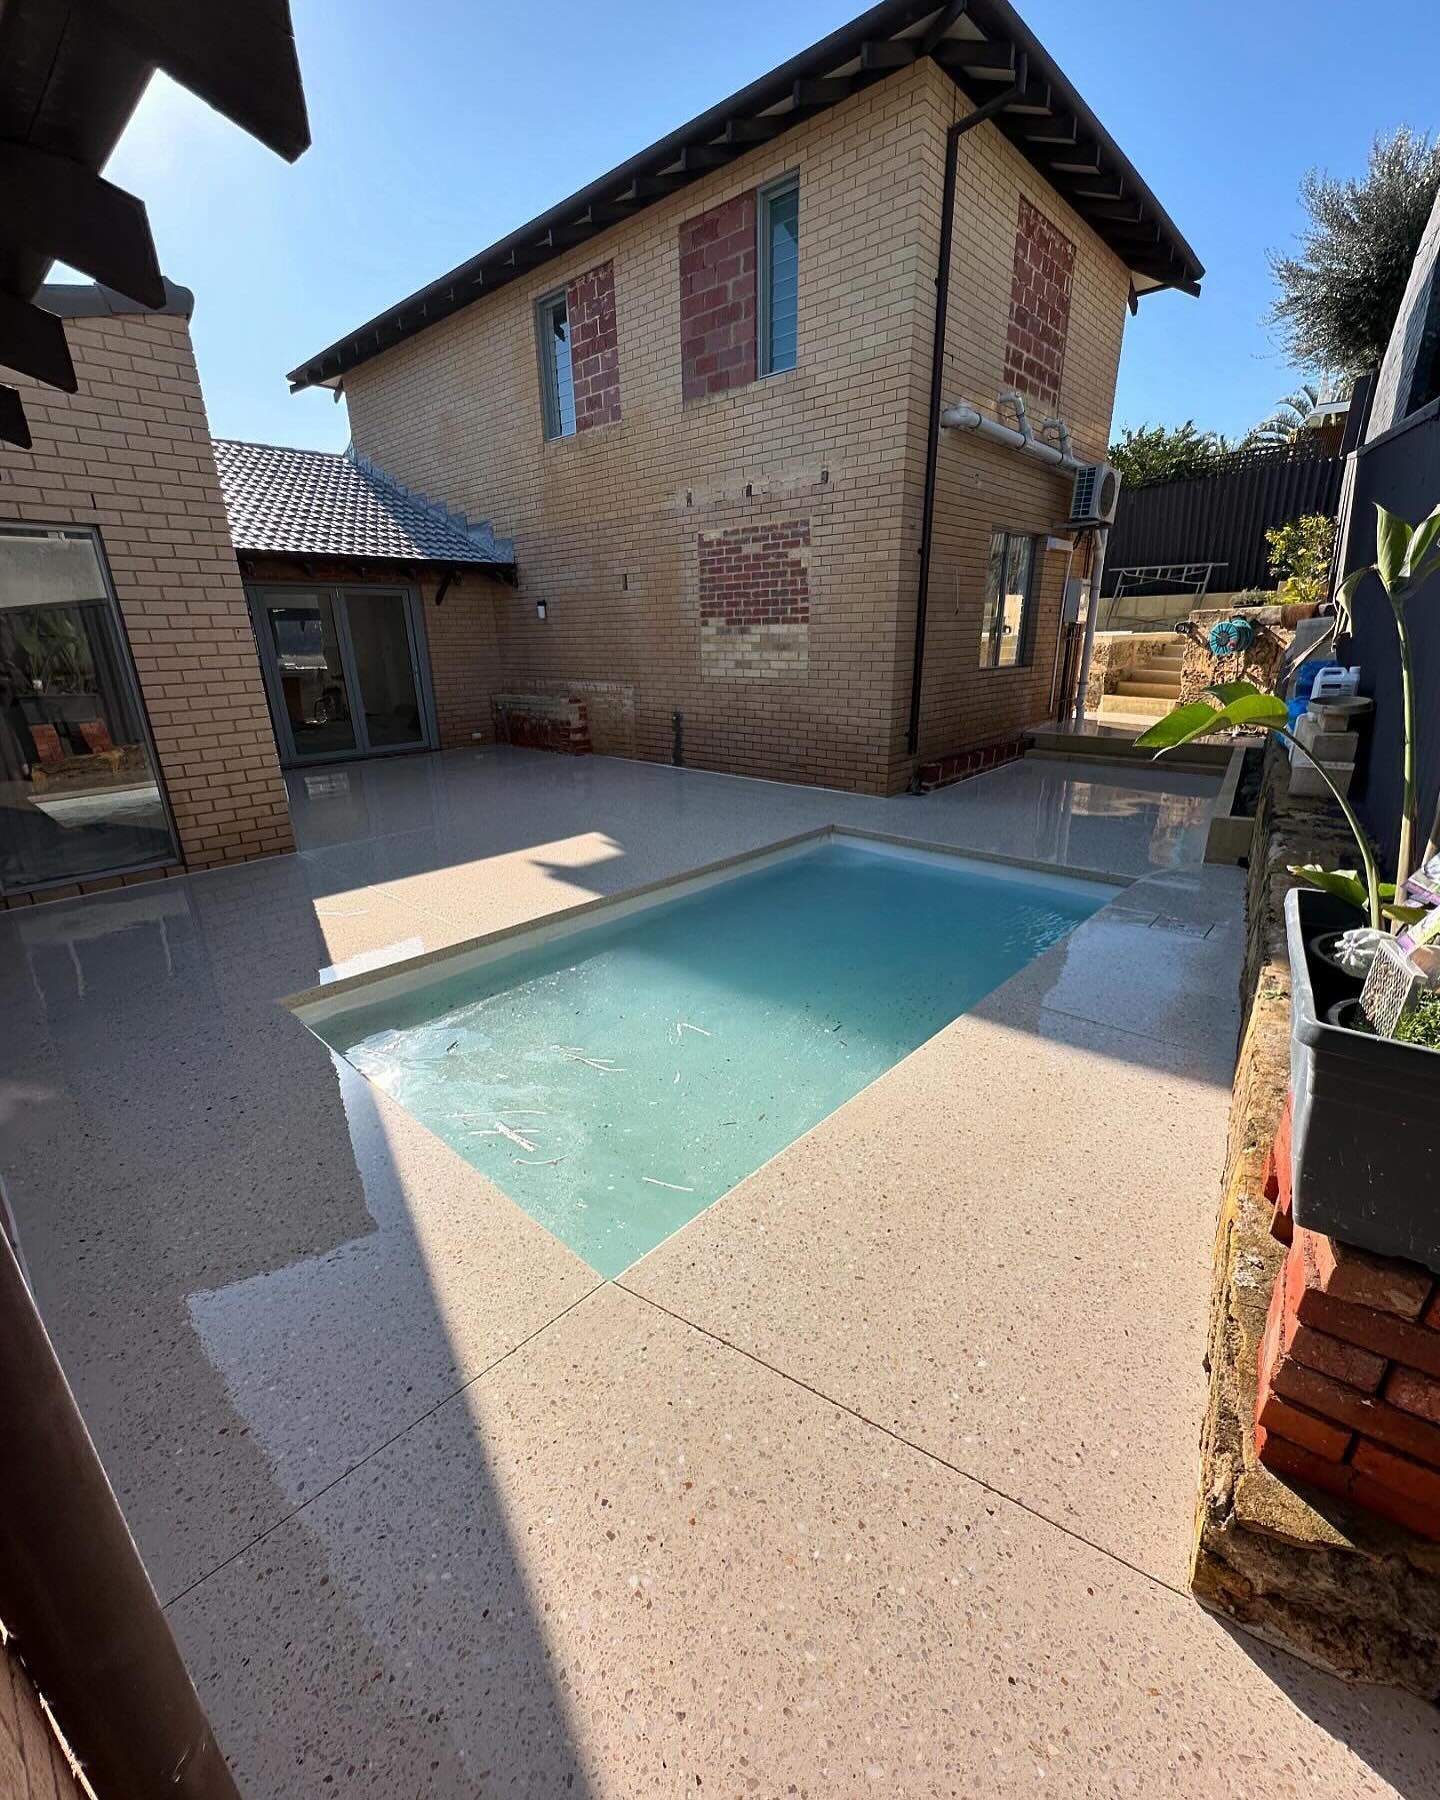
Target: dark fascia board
x,y
356,559
800,85
88,300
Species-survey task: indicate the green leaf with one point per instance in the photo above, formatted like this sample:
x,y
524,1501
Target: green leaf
x,y
1405,915
1392,545
1345,597
1179,727
1242,704
1424,568
1422,541
1344,884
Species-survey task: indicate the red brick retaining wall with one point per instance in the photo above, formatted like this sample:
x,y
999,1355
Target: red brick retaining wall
x,y
1349,1380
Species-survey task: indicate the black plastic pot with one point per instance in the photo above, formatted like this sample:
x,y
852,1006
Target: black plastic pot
x,y
1365,1140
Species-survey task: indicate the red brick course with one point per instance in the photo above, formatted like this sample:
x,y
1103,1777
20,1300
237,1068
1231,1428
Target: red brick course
x,y
756,575
1414,1345
542,722
594,347
1383,1282
960,765
1039,323
717,299
1349,1387
1414,1393
1307,1429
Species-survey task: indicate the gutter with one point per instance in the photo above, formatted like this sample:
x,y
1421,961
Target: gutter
x,y
937,373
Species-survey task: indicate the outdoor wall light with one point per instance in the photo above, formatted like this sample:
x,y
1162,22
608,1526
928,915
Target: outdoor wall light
x,y
539,609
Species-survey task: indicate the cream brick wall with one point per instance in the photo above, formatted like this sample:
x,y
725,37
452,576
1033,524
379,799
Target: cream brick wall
x,y
130,453
982,487
607,523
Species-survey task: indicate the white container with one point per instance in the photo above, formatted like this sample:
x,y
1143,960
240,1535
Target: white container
x,y
1335,683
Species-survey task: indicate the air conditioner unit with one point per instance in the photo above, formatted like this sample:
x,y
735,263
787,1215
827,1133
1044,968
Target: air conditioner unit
x,y
1096,492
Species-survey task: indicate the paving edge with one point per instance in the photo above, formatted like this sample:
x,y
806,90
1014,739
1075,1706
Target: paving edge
x,y
1333,1584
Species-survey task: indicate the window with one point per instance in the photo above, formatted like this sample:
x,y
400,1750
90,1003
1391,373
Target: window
x,y
1003,627
777,237
79,795
557,383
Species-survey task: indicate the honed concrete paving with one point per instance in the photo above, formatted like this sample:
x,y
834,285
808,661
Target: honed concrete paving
x,y
873,1479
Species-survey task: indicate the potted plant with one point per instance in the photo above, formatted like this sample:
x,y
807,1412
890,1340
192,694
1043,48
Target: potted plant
x,y
1364,1147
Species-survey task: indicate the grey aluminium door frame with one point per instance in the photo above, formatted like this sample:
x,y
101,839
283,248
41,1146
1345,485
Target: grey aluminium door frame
x,y
260,594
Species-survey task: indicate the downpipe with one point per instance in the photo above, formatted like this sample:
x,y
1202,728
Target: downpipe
x,y
937,378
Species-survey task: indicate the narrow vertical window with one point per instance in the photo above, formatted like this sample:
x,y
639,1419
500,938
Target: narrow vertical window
x,y
778,238
1004,621
557,382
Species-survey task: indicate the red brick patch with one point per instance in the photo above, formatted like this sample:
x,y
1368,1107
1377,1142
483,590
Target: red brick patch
x,y
594,347
756,574
1039,323
717,298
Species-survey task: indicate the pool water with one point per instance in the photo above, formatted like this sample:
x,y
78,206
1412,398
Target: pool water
x,y
618,1080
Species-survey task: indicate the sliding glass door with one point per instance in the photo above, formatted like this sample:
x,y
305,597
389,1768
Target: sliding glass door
x,y
79,792
345,671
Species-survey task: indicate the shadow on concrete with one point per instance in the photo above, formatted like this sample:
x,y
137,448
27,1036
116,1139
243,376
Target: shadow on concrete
x,y
224,1252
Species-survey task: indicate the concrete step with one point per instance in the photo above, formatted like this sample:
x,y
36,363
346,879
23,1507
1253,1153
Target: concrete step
x,y
1142,706
1147,689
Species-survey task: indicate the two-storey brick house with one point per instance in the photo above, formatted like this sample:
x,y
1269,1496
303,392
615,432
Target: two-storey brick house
x,y
700,394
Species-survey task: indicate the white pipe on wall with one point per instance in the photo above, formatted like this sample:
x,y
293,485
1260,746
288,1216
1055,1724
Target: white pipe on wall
x,y
970,418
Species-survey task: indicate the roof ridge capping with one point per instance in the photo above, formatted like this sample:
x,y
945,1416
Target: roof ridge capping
x,y
482,534
976,42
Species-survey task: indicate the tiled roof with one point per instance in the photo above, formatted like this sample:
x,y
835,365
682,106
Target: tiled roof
x,y
316,503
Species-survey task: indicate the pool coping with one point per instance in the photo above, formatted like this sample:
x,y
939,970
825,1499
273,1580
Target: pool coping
x,y
316,1004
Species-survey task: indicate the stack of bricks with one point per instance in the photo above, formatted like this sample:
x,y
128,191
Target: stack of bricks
x,y
542,722
1349,1380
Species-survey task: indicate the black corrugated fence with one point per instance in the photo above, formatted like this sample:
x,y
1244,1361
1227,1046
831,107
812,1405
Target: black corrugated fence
x,y
1223,515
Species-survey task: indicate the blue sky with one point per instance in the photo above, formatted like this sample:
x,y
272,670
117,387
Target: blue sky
x,y
441,124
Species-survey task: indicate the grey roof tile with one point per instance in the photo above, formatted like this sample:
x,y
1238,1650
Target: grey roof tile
x,y
317,503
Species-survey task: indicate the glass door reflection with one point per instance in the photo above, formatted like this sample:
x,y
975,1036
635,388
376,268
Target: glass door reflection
x,y
310,673
388,694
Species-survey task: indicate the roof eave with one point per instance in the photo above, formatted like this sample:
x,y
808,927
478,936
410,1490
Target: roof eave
x,y
1050,125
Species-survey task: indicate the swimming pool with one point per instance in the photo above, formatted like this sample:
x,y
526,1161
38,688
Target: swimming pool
x,y
617,1072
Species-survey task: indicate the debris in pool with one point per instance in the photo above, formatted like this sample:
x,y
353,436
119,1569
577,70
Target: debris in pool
x,y
605,1064
499,1130
685,1025
674,1187
454,1046
549,1163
